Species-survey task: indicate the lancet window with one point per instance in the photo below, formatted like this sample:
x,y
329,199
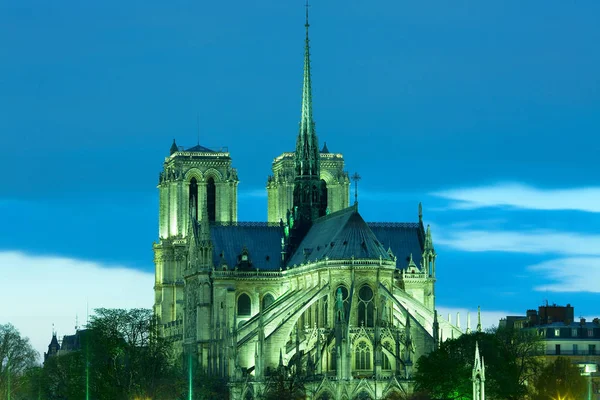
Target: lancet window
x,y
345,299
244,305
267,300
193,198
362,356
366,308
211,199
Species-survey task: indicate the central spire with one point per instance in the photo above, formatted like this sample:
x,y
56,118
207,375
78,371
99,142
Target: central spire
x,y
307,147
310,193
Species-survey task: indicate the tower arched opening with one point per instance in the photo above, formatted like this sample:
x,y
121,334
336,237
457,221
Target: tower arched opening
x,y
324,201
193,198
211,199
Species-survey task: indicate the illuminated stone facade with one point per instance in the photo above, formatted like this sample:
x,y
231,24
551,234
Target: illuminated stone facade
x,y
312,291
188,175
280,185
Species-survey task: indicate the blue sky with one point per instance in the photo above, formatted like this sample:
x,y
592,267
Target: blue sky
x,y
487,112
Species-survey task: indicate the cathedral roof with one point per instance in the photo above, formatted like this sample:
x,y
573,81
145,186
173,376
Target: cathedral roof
x,y
341,235
403,238
261,239
200,149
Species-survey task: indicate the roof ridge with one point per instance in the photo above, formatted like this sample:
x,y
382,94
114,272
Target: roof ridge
x,y
336,213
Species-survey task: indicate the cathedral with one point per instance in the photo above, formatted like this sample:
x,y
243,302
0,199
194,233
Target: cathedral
x,y
344,304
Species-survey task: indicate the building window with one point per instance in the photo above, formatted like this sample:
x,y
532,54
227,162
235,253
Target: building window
x,y
557,349
268,299
323,205
244,305
575,350
557,333
344,291
211,199
365,307
574,332
592,349
362,356
590,333
193,198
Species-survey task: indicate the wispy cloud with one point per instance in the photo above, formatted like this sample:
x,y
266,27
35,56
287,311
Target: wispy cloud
x,y
520,196
570,274
38,291
530,242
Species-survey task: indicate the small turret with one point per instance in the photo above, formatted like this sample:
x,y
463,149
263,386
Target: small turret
x,y
174,148
478,375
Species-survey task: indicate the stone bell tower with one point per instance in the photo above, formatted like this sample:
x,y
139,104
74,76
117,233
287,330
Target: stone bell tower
x,y
311,179
191,178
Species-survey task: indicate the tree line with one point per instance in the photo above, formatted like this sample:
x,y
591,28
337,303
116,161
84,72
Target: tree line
x,y
120,355
515,369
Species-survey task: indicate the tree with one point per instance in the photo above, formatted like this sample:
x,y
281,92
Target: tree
x,y
560,378
17,356
511,360
120,356
281,384
127,356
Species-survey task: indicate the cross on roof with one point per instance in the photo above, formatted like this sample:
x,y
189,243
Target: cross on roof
x,y
355,178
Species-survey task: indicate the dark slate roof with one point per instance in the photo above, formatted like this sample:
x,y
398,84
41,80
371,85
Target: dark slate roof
x,y
404,238
200,149
53,342
325,149
263,241
339,236
72,342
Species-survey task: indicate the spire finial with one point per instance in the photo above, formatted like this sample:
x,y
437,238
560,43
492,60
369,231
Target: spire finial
x,y
356,177
307,24
307,150
468,323
478,318
307,183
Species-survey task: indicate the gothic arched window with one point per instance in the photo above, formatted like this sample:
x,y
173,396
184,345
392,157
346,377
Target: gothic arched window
x,y
193,198
325,313
211,199
267,300
362,356
323,204
244,305
366,308
344,291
